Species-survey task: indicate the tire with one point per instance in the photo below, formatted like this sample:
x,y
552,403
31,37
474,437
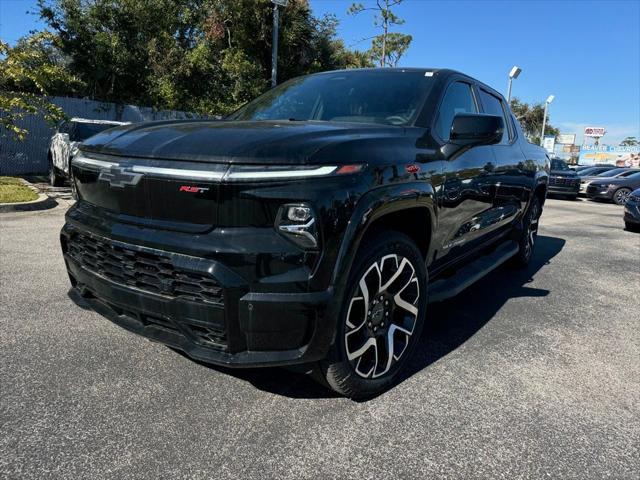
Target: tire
x,y
55,180
632,227
620,196
573,198
360,363
529,235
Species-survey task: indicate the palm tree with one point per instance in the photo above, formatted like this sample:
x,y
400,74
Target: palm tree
x,y
629,142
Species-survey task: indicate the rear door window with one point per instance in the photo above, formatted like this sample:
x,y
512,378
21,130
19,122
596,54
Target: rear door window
x,y
493,106
457,99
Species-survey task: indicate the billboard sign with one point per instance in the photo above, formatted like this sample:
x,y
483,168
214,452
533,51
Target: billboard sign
x,y
618,156
549,143
594,131
566,138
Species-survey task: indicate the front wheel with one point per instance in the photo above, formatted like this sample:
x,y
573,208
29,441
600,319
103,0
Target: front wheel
x,y
381,317
54,179
621,195
632,227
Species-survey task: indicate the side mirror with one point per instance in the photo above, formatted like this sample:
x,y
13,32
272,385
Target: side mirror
x,y
471,129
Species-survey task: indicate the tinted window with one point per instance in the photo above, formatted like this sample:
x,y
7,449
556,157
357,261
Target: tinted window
x,y
458,99
612,173
82,131
559,165
493,106
391,98
592,171
630,174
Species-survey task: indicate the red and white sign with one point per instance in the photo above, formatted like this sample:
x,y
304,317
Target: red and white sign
x,y
594,131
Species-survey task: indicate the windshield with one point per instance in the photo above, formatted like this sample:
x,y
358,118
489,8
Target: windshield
x,y
612,173
588,171
559,165
82,131
388,97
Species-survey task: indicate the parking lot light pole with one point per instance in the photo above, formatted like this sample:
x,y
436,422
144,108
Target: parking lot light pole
x,y
515,71
544,118
274,42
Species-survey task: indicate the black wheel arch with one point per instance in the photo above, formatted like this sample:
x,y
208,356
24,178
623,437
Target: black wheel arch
x,y
408,208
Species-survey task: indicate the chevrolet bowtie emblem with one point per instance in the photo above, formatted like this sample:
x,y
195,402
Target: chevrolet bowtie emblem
x,y
119,177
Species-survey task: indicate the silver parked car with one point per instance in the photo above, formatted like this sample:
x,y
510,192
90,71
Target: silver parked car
x,y
64,144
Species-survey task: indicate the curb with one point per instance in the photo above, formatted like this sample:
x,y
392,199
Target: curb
x,y
43,202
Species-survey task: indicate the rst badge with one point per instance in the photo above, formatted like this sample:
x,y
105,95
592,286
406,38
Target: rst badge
x,y
192,189
119,177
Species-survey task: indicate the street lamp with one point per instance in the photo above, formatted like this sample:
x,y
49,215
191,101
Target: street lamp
x,y
515,71
544,119
274,42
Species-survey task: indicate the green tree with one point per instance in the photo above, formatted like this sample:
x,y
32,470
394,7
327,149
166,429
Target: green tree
x,y
29,71
388,47
629,142
206,56
530,118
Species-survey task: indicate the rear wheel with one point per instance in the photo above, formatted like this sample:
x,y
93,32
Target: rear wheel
x,y
529,235
381,320
620,196
55,179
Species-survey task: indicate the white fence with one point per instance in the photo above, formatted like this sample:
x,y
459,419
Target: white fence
x,y
30,155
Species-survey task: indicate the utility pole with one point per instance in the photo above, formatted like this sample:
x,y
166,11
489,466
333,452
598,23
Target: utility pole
x,y
274,41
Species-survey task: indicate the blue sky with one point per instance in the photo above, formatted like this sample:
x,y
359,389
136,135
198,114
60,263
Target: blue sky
x,y
586,53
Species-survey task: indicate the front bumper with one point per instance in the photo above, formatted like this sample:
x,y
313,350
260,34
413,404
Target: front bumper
x,y
598,192
563,190
632,213
197,305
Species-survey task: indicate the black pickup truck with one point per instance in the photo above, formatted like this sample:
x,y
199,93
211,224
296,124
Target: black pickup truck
x,y
310,227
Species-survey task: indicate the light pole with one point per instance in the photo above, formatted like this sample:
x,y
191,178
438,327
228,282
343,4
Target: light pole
x,y
544,118
274,42
515,71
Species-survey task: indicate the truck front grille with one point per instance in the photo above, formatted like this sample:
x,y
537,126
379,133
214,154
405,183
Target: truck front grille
x,y
150,272
563,181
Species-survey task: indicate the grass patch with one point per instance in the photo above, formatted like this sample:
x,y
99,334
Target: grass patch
x,y
12,190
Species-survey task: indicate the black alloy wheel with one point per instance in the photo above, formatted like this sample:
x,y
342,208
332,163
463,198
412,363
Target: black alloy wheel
x,y
382,317
621,195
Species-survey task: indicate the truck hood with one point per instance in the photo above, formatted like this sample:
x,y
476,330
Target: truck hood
x,y
220,141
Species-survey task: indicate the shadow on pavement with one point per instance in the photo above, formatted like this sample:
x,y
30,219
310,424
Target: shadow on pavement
x,y
449,325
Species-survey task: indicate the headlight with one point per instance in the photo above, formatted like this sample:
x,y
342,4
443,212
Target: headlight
x,y
297,222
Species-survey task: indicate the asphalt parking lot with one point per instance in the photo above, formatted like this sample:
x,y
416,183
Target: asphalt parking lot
x,y
531,374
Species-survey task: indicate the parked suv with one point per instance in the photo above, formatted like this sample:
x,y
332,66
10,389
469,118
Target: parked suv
x,y
563,180
64,144
311,225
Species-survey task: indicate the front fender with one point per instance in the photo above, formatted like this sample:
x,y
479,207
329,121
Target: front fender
x,y
372,206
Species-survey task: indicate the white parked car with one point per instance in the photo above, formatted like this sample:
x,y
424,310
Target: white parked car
x,y
65,141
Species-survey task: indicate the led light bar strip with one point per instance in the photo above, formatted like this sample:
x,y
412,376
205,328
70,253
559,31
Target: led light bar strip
x,y
178,173
92,162
271,174
231,174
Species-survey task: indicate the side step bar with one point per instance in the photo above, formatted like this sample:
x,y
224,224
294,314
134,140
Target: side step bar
x,y
469,274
